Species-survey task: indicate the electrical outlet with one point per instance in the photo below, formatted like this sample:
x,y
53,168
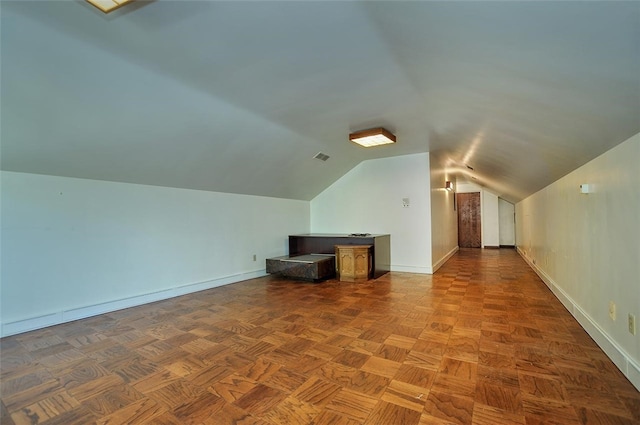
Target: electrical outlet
x,y
406,202
632,324
254,257
612,310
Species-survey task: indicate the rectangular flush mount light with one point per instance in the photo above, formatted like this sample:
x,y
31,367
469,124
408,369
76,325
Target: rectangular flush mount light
x,y
108,5
372,137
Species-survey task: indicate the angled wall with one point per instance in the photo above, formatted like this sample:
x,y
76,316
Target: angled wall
x,y
444,218
586,247
73,248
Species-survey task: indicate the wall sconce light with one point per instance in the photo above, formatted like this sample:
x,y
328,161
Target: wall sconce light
x,y
449,186
108,5
372,137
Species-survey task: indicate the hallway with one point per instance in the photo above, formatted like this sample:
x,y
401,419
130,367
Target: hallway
x,y
482,341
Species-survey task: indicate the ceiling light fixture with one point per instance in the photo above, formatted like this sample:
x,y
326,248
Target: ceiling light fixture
x,y
108,5
372,137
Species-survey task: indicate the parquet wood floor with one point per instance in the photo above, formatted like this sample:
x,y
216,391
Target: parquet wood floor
x,y
482,341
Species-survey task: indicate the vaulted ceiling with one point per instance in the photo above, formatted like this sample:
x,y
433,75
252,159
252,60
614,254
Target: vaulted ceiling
x,y
239,96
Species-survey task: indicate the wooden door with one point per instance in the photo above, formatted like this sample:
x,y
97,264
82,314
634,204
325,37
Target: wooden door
x,y
354,262
347,266
469,220
362,263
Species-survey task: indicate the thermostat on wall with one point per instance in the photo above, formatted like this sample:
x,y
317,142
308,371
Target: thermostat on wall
x,y
584,188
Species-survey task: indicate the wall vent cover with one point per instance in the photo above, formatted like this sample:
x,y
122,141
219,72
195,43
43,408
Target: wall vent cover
x,y
321,156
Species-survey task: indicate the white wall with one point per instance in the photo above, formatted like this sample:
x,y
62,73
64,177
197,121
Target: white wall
x,y
72,248
368,199
506,211
444,219
467,187
586,247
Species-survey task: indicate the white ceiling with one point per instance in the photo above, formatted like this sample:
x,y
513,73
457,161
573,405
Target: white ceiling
x,y
239,96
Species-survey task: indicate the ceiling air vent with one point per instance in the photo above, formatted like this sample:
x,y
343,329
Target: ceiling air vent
x,y
321,156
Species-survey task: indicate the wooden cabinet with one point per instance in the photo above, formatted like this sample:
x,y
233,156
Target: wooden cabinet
x,y
354,262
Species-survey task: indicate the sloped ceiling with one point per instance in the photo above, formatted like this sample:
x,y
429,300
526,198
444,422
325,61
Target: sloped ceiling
x,y
239,96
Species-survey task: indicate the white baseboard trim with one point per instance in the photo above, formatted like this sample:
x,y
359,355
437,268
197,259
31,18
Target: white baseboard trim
x,y
444,259
33,323
627,365
412,269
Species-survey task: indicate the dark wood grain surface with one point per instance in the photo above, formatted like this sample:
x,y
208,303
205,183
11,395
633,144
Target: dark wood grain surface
x,y
469,221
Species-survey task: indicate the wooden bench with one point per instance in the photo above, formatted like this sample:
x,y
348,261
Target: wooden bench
x,y
312,267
